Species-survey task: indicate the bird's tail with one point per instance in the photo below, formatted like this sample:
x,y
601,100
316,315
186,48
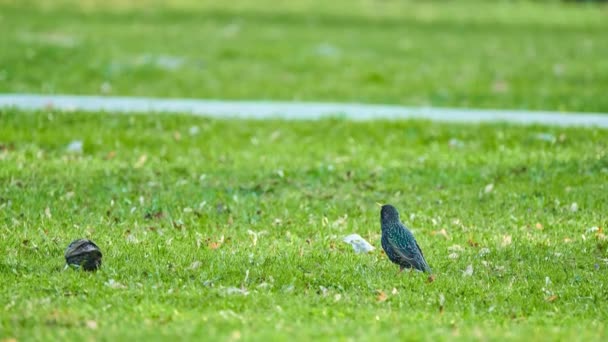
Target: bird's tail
x,y
425,267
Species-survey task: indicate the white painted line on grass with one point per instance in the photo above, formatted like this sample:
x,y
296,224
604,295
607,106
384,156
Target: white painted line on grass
x,y
295,110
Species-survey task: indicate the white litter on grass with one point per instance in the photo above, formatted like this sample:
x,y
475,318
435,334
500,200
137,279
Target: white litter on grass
x,y
455,248
468,272
546,137
359,244
236,290
455,143
592,230
484,251
75,146
114,284
295,110
194,130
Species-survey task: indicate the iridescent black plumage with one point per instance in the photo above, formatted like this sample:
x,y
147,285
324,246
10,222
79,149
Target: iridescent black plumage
x,y
398,242
83,253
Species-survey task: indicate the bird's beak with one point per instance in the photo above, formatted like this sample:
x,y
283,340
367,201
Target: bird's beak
x,y
379,204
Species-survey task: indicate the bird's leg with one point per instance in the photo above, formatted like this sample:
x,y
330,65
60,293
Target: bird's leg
x,y
400,269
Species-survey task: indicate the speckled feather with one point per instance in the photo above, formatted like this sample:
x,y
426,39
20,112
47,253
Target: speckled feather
x,y
399,243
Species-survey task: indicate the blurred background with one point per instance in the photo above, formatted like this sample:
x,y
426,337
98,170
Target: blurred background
x,y
547,55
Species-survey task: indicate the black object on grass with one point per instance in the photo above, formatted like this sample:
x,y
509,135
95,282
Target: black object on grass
x,y
83,253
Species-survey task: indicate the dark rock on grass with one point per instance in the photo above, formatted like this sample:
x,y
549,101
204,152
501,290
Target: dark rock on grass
x,y
83,253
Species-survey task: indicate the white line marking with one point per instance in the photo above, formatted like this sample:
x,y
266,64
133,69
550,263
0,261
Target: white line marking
x,y
295,110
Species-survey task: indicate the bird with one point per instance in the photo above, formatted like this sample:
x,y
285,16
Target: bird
x,y
399,243
83,253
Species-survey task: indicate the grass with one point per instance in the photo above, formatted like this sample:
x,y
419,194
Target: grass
x,y
227,230
509,54
173,209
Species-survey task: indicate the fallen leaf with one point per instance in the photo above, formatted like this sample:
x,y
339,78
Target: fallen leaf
x,y
472,243
551,298
431,278
600,235
110,155
141,161
214,245
488,188
506,240
500,87
441,232
177,136
236,335
539,226
381,296
91,325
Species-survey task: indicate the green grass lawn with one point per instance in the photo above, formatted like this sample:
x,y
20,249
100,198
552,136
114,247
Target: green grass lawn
x,y
174,209
227,229
546,55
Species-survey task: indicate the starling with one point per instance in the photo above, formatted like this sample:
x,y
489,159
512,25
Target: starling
x,y
398,242
85,253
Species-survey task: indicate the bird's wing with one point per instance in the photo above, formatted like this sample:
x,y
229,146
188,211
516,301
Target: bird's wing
x,y
400,247
409,252
425,264
419,249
